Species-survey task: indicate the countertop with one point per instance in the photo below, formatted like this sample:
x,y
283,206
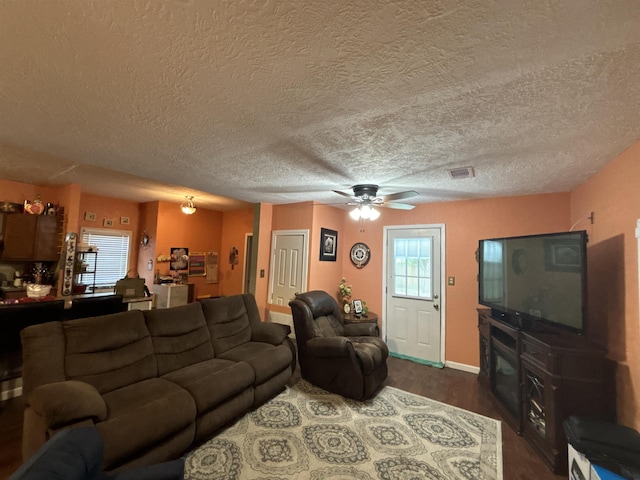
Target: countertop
x,y
68,300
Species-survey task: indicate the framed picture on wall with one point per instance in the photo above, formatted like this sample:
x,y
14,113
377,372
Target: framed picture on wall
x,y
328,245
179,258
212,267
197,264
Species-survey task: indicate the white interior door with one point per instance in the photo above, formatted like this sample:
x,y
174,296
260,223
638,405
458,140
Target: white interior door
x,y
413,293
289,261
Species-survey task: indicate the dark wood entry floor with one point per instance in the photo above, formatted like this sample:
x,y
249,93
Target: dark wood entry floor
x,y
446,385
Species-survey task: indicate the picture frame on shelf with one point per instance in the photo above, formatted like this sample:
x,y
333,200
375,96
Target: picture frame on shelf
x,y
357,307
328,245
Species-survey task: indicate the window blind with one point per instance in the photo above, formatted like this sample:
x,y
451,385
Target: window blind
x,y
113,254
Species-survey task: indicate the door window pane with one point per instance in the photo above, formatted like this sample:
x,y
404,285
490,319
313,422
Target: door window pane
x,y
413,269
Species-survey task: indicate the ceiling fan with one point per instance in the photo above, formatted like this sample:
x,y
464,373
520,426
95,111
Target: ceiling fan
x,y
366,196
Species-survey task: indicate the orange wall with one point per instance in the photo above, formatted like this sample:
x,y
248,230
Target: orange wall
x,y
67,196
264,257
613,194
296,216
466,222
19,192
235,226
326,275
200,232
112,209
147,223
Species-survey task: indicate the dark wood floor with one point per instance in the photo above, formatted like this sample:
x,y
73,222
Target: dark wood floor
x,y
456,388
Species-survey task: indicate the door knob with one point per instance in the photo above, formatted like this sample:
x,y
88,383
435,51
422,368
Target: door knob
x,y
436,307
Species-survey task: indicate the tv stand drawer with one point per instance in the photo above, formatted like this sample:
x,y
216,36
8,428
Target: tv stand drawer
x,y
538,353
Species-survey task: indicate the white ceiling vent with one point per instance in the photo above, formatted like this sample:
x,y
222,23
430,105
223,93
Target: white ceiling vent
x,y
464,172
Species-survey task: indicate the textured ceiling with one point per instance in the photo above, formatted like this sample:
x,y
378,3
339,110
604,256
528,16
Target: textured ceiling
x,y
283,101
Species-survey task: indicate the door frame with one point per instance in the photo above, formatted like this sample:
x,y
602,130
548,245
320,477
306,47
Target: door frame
x,y
304,262
443,278
247,261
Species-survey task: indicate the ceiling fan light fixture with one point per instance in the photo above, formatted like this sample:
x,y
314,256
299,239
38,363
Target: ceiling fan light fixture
x,y
187,206
364,212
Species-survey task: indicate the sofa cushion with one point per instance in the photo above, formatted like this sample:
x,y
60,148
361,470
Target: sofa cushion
x,y
266,360
180,336
213,381
143,414
110,351
228,321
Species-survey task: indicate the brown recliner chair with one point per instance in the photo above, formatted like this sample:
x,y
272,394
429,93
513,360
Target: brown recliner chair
x,y
338,356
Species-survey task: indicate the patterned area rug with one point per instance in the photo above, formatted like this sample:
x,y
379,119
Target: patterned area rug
x,y
308,433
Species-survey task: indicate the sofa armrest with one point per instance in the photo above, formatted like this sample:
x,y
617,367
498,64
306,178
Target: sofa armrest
x,y
330,347
62,403
269,332
361,329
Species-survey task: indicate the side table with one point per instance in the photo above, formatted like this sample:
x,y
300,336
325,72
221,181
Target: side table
x,y
370,318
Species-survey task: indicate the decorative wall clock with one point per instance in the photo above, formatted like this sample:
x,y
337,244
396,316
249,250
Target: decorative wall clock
x,y
360,254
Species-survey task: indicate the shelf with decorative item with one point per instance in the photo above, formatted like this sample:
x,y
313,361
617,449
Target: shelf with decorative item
x,y
349,306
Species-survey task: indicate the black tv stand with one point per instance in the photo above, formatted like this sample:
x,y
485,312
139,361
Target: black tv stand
x,y
538,379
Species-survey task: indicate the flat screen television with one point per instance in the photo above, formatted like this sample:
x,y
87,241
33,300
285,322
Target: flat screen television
x,y
533,280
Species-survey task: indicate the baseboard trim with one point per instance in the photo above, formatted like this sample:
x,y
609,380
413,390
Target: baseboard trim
x,y
417,360
462,366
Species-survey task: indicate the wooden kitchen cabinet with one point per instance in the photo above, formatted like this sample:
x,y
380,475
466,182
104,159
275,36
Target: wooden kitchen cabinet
x,y
30,237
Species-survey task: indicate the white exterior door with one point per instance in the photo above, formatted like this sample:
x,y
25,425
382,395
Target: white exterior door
x,y
289,261
413,294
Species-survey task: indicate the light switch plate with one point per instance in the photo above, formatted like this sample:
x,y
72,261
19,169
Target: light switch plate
x,y
452,280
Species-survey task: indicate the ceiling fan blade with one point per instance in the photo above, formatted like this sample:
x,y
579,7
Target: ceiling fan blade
x,y
400,195
350,195
397,206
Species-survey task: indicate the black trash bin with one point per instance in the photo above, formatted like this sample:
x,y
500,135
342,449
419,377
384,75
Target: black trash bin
x,y
612,446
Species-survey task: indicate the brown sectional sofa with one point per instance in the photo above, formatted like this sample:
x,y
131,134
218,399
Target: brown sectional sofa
x,y
154,383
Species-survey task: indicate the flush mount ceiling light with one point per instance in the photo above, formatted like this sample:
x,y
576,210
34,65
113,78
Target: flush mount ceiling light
x,y
187,206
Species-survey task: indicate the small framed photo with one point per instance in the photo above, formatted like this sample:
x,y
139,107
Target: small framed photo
x,y
328,245
125,221
90,216
107,222
357,307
